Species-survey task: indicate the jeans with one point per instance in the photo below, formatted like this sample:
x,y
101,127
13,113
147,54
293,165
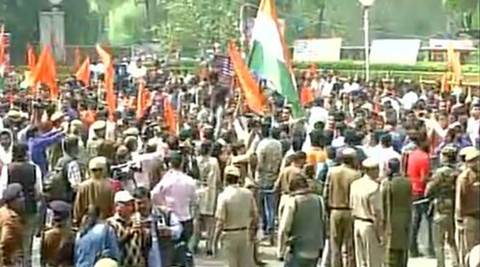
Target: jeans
x,y
267,204
419,211
293,260
183,255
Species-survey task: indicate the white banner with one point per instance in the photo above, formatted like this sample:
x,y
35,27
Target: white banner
x,y
394,51
314,50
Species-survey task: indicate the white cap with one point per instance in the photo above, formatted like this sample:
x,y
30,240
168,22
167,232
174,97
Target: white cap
x,y
123,197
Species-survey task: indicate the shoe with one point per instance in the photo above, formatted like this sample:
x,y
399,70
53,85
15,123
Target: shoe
x,y
209,253
260,263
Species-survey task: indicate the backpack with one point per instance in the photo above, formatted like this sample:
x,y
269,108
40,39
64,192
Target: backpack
x,y
57,186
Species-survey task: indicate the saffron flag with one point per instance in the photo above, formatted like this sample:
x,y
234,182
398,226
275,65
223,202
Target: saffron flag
x,y
454,65
2,51
143,99
83,72
256,101
31,57
108,80
45,72
269,58
169,116
2,45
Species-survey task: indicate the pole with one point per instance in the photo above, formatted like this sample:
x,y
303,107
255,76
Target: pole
x,y
241,26
367,43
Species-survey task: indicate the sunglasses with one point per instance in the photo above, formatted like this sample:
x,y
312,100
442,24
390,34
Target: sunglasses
x,y
96,170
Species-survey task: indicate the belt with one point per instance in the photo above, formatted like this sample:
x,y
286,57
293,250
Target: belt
x,y
363,219
235,229
339,208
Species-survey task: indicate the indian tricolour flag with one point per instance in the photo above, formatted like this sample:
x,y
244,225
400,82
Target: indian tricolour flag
x,y
269,57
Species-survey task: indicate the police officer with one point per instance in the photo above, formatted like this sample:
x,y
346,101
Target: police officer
x,y
441,189
467,202
397,206
58,239
337,190
366,204
236,214
96,137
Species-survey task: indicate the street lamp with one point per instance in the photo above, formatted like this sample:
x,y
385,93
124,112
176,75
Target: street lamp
x,y
366,4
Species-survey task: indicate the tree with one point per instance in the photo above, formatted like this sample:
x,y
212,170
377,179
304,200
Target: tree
x,y
465,8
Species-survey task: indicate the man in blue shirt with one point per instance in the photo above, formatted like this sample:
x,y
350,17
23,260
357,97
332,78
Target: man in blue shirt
x,y
39,142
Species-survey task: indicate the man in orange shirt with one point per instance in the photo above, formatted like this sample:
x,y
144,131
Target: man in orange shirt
x,y
316,154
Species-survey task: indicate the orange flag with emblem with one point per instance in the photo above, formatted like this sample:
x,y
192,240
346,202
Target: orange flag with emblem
x,y
83,72
45,72
255,99
108,80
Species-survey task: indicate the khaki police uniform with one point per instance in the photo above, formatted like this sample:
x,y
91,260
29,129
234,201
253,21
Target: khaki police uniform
x,y
442,191
95,141
467,205
366,204
236,209
337,191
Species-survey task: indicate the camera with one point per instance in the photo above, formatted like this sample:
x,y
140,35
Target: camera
x,y
125,171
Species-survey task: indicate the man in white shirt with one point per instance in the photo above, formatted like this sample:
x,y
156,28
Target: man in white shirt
x,y
409,99
384,153
29,175
137,70
6,143
177,192
473,124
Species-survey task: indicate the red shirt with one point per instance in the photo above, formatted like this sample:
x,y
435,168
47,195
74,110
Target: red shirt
x,y
418,169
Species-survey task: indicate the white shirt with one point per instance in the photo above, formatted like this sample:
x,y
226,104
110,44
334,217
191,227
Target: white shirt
x,y
409,99
473,127
327,89
137,72
317,114
176,191
382,155
5,155
38,180
147,163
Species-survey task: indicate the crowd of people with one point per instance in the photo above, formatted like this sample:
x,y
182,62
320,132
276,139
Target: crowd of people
x,y
347,185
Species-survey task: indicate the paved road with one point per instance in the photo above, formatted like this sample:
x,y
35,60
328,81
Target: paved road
x,y
268,257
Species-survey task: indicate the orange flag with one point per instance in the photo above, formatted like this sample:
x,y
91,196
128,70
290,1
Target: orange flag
x,y
45,72
31,57
83,72
143,99
2,45
255,99
109,75
169,116
453,64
